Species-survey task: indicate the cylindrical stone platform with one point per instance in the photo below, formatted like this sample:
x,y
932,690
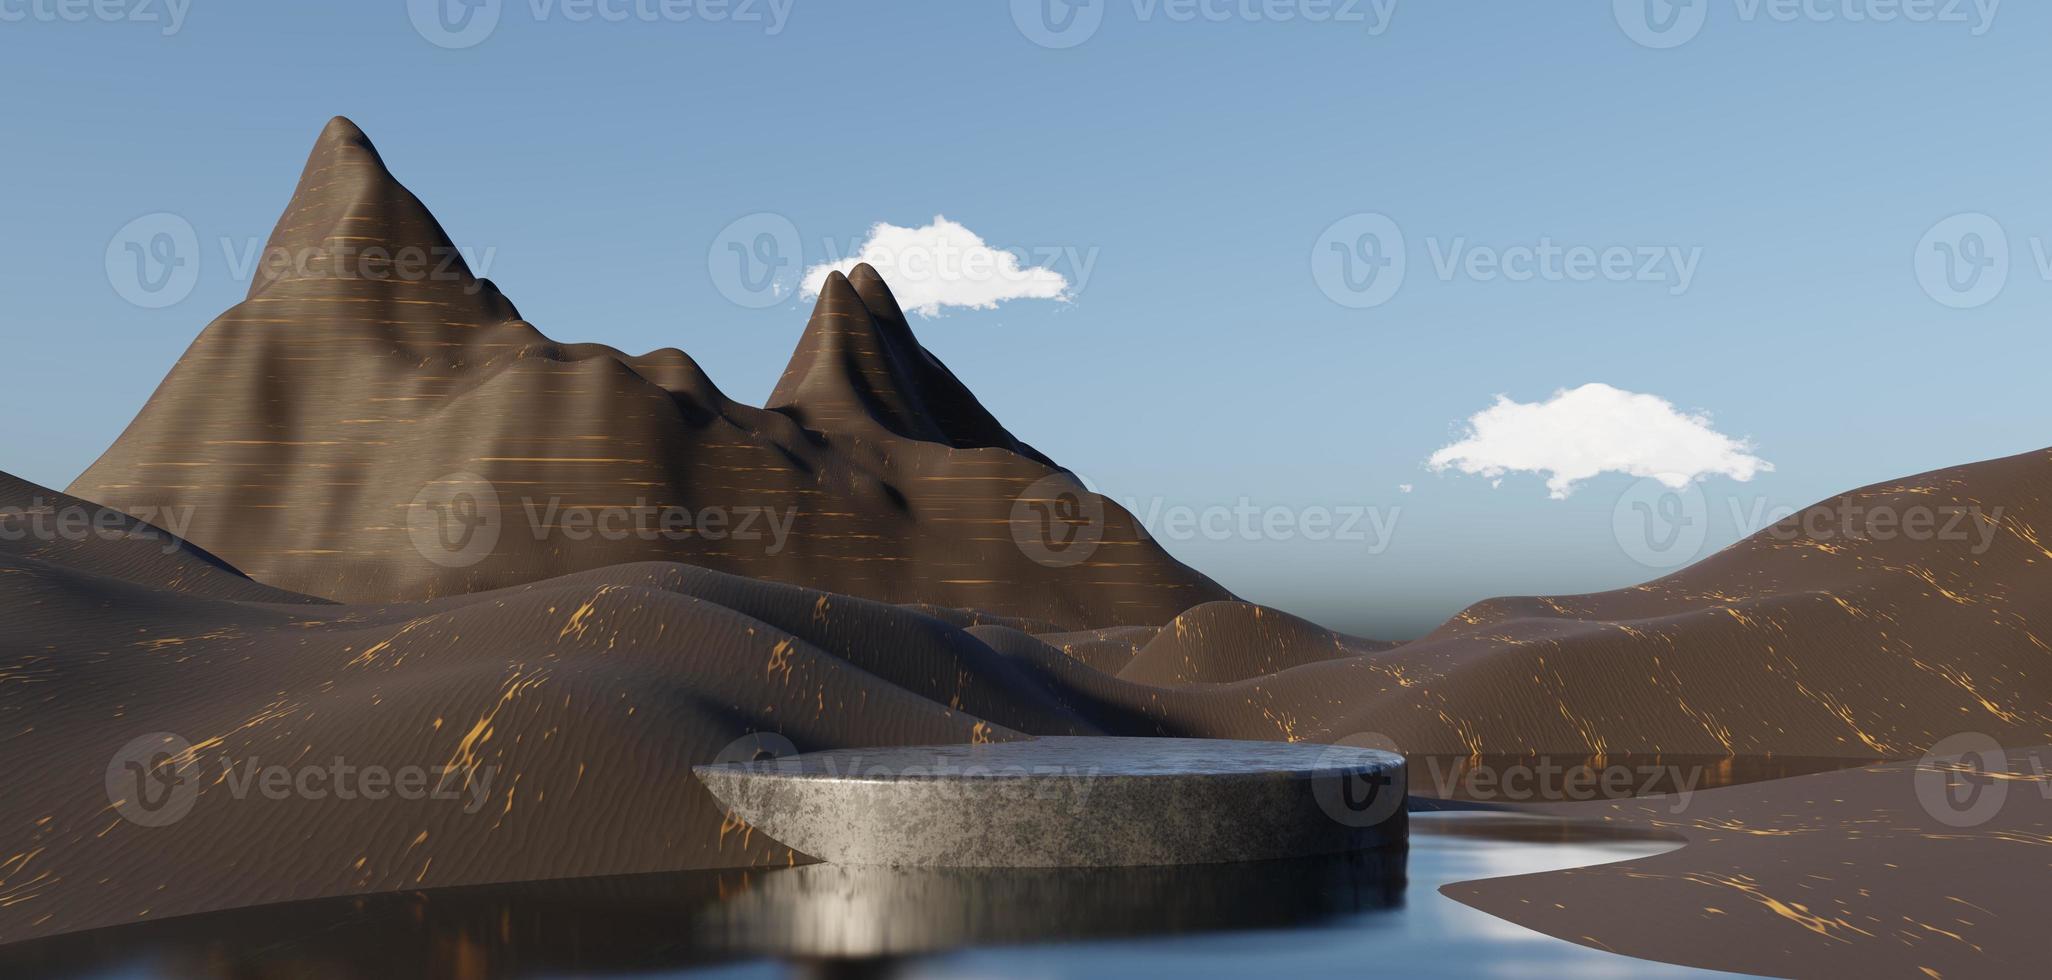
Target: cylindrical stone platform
x,y
1070,802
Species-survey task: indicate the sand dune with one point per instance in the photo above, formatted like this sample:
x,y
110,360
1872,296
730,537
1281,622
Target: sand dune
x,y
575,704
1845,874
562,717
1800,640
1219,642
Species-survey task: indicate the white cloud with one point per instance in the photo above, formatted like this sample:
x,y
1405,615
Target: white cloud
x,y
943,265
1403,488
1594,429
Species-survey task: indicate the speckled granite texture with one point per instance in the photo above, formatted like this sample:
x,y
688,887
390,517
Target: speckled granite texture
x,y
1071,802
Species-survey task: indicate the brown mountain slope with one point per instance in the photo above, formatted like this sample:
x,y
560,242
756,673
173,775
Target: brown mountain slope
x,y
325,430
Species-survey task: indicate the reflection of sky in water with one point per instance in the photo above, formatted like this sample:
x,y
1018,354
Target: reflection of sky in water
x,y
1331,916
1428,935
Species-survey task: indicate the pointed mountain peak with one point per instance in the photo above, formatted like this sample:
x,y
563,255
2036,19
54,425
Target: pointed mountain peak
x,y
858,367
342,129
350,218
838,289
876,294
847,373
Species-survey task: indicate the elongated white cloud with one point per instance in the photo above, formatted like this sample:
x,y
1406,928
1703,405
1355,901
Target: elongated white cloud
x,y
941,265
1581,432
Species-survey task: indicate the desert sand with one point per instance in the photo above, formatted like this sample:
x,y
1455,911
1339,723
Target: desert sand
x,y
1855,873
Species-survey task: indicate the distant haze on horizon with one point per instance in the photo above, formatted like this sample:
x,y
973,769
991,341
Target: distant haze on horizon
x,y
1216,351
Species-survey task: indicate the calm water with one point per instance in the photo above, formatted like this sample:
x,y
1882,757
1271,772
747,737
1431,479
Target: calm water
x,y
1372,914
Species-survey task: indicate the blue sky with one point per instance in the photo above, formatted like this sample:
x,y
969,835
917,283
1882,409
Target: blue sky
x,y
1798,155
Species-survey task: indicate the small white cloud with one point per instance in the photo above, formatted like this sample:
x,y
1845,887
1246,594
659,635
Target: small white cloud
x,y
1403,488
1594,429
941,265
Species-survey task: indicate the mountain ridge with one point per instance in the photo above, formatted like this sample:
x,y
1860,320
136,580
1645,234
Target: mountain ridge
x,y
317,428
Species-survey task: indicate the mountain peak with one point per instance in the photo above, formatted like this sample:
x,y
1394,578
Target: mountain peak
x,y
875,293
847,372
858,367
343,129
350,218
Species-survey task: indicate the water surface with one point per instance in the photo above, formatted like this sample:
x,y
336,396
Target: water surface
x,y
1377,913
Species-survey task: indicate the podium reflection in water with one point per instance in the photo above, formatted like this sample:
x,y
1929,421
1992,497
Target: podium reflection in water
x,y
828,910
834,920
